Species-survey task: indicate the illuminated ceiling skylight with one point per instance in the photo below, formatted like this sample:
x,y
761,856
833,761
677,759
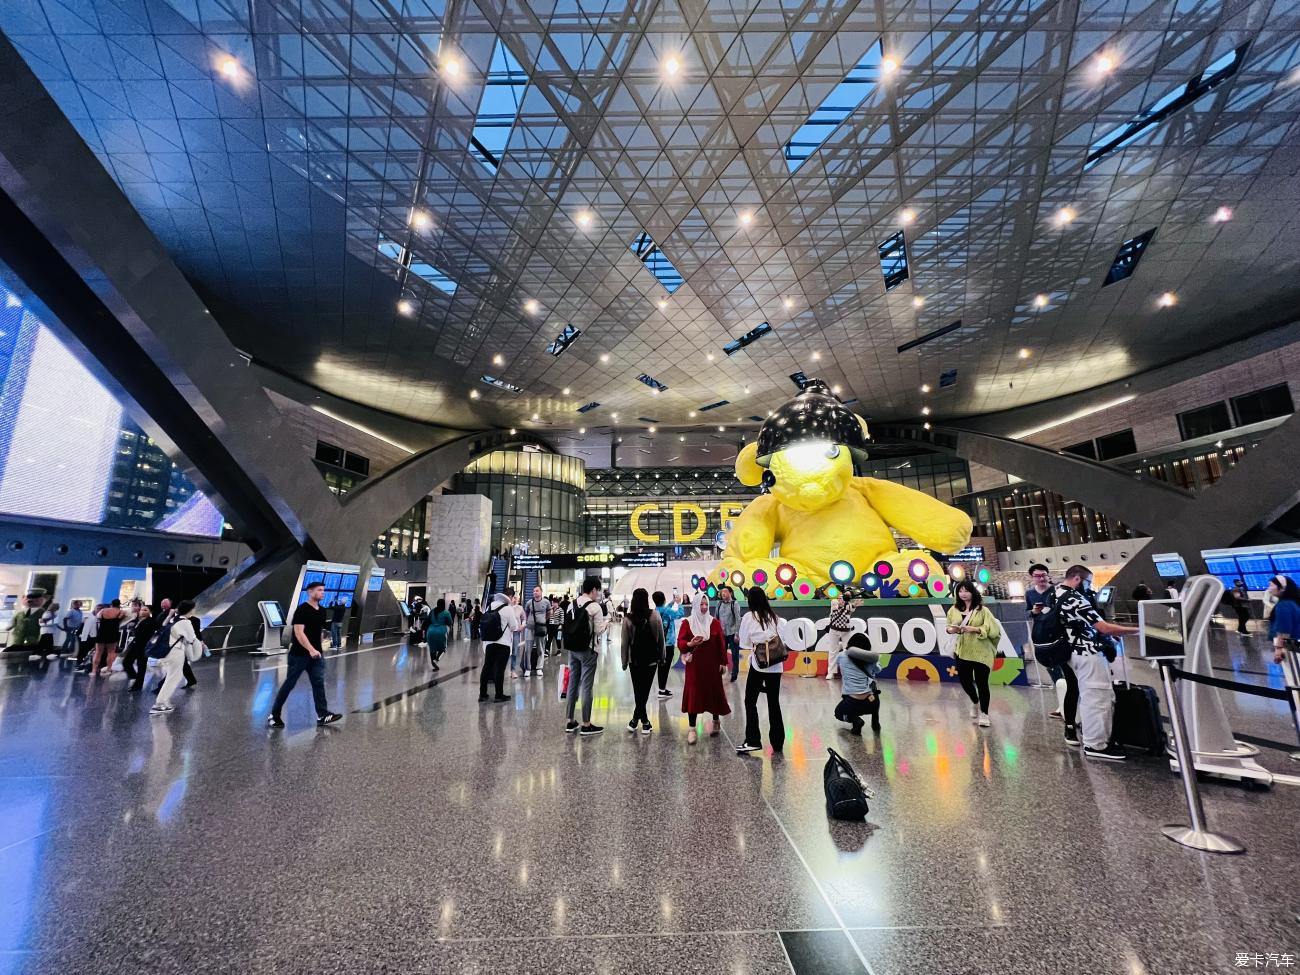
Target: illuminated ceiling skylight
x,y
750,337
893,260
1127,257
427,272
1172,101
503,94
843,99
500,384
588,407
563,340
651,382
714,406
649,254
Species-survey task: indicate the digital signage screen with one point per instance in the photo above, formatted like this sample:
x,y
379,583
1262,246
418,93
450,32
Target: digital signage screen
x,y
69,452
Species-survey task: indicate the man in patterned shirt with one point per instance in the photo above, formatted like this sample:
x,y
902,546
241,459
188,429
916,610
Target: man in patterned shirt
x,y
1083,626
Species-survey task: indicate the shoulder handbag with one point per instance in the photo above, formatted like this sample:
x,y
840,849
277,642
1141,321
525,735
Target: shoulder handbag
x,y
770,652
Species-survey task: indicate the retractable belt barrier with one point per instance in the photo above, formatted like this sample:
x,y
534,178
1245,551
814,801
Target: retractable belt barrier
x,y
1274,693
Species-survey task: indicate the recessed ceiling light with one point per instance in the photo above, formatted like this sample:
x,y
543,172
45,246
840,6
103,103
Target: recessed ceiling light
x,y
671,65
746,218
918,301
584,218
651,429
654,392
497,360
747,389
709,356
619,440
451,67
925,387
925,411
888,66
1024,353
1222,215
228,65
691,414
663,303
907,216
722,429
420,220
816,357
1040,301
787,302
536,416
473,394
604,357
836,389
926,425
406,307
531,306
1167,300
681,440
513,431
582,429
613,416
565,391
1063,216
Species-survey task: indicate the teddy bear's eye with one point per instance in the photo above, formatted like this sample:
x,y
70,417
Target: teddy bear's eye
x,y
832,451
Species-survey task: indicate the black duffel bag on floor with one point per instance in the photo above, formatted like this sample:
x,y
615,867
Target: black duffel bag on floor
x,y
845,796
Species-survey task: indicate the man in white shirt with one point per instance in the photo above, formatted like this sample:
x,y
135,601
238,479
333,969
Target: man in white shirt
x,y
580,640
497,646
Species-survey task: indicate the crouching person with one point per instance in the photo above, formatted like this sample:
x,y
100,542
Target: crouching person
x,y
861,693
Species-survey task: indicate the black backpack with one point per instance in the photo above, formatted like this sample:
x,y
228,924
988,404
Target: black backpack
x,y
1051,648
490,626
646,650
846,798
160,644
577,628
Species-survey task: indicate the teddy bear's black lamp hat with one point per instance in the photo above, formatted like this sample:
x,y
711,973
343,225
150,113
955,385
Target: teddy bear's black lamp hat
x,y
815,413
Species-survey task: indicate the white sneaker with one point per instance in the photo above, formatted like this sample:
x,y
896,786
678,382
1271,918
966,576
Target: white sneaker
x,y
974,712
984,721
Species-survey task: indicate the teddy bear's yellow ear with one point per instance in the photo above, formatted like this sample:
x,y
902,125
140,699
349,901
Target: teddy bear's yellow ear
x,y
863,423
747,469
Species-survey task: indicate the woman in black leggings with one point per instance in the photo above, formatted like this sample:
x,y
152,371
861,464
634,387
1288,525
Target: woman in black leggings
x,y
977,642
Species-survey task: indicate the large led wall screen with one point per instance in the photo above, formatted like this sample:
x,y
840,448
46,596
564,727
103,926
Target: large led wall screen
x,y
68,452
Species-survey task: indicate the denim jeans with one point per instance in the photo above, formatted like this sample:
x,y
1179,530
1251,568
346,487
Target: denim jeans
x,y
336,635
733,651
314,667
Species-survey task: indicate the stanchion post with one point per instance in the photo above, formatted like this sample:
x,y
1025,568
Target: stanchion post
x,y
1197,835
1291,669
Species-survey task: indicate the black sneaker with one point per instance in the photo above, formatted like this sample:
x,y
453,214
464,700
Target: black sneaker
x,y
646,727
501,698
274,721
482,698
329,718
856,727
1072,735
586,731
570,727
631,727
665,693
746,748
1111,753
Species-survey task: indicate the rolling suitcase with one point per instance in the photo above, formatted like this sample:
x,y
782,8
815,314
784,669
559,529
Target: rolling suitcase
x,y
1137,722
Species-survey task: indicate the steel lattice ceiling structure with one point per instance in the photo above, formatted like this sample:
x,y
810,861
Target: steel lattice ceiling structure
x,y
309,166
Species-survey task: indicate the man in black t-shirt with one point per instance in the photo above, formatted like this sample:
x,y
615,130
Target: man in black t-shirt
x,y
306,655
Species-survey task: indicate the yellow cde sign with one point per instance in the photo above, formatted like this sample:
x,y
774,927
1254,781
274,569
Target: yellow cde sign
x,y
726,511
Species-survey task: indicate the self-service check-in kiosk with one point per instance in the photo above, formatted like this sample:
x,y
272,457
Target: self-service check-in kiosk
x,y
272,628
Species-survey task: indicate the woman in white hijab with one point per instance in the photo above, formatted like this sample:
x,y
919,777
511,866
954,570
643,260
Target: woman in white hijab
x,y
704,652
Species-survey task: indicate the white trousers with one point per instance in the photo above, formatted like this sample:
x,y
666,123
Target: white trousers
x,y
835,644
173,668
1096,698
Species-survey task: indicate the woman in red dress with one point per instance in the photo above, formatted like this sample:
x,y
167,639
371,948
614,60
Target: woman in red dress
x,y
704,652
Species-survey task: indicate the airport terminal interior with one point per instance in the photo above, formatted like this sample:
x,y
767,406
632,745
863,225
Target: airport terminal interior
x,y
669,486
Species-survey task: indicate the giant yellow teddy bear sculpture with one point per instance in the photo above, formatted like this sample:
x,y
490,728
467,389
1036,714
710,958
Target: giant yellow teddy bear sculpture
x,y
817,512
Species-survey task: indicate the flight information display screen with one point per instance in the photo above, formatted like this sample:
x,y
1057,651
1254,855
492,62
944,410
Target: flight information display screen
x,y
1255,565
340,587
69,452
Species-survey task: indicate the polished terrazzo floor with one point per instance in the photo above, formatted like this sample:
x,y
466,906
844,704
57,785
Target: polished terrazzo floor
x,y
428,833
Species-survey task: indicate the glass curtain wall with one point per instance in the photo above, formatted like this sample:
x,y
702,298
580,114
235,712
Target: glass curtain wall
x,y
537,498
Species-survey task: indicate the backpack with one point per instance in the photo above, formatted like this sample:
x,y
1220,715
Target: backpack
x,y
646,650
491,626
1051,648
845,796
578,634
160,644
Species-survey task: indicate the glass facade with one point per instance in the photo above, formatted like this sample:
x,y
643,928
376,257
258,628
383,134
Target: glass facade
x,y
537,498
409,536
